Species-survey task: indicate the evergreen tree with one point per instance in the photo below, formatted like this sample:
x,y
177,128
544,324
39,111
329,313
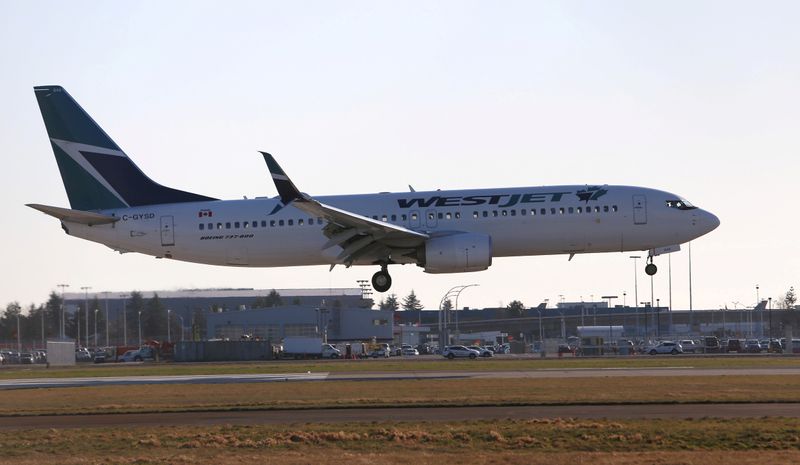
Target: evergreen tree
x,y
411,302
789,299
447,305
154,320
271,300
516,308
390,303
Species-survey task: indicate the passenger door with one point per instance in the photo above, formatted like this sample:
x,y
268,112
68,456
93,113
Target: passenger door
x,y
167,233
639,209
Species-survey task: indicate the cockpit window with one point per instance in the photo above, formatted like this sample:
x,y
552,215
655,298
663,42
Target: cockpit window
x,y
680,204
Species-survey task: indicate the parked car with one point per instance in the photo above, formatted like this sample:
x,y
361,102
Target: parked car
x,y
26,358
131,356
409,351
711,344
381,352
452,352
689,345
482,351
666,347
752,346
775,347
734,345
82,355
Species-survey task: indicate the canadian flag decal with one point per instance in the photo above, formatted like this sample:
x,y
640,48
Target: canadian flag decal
x,y
204,213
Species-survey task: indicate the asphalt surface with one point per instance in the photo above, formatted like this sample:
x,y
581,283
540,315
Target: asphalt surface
x,y
298,417
31,383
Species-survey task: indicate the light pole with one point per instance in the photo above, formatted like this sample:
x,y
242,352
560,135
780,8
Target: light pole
x,y
106,293
19,336
140,328
63,305
760,312
770,317
455,291
85,290
636,290
43,346
181,317
95,326
169,336
124,319
541,331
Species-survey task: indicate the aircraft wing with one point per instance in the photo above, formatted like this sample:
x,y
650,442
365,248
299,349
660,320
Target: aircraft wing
x,y
358,235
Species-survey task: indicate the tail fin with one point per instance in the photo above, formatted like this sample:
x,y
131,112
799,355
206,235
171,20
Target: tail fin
x,y
97,174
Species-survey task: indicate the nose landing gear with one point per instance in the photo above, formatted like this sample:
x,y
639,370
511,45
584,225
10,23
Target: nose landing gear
x,y
381,281
651,268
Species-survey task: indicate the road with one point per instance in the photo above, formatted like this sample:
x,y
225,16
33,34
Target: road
x,y
388,376
268,417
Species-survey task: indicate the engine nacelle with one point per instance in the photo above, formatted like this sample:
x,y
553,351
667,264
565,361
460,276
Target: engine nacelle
x,y
458,253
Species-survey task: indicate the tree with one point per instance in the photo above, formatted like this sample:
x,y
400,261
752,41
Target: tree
x,y
154,320
271,300
789,299
516,308
390,303
447,305
411,302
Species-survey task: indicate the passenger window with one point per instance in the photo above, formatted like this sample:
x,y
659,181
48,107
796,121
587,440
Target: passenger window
x,y
394,217
210,225
597,209
543,211
300,222
404,217
245,224
272,223
319,220
523,212
580,209
505,212
552,211
236,225
513,213
533,212
280,223
414,216
291,222
449,216
384,218
263,223
485,214
441,216
605,208
458,215
494,213
227,226
310,221
374,217
571,210
614,208
475,215
202,226
219,225
561,211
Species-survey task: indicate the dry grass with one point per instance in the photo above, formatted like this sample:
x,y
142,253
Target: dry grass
x,y
703,441
342,394
426,363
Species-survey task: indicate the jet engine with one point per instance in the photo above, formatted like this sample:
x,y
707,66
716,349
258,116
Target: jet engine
x,y
458,253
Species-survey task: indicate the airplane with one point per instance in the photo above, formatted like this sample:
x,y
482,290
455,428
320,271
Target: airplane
x,y
444,231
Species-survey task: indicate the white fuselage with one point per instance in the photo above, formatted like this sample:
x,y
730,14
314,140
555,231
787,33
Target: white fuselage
x,y
521,221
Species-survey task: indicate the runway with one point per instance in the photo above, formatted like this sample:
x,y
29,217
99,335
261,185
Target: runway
x,y
31,383
270,417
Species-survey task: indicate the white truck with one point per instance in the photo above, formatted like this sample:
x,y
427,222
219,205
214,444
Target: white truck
x,y
308,347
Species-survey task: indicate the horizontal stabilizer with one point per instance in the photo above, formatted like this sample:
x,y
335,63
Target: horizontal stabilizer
x,y
74,216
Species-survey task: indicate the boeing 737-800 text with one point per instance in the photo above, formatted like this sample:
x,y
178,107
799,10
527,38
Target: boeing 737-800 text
x,y
114,203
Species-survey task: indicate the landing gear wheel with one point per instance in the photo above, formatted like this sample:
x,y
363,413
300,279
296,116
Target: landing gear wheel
x,y
650,269
381,281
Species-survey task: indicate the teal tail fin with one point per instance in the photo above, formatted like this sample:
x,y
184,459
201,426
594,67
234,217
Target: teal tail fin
x,y
97,174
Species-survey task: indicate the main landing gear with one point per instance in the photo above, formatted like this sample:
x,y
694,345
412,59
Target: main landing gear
x,y
651,268
381,281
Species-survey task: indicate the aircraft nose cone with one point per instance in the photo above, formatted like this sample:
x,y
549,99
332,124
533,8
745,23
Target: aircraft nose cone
x,y
709,221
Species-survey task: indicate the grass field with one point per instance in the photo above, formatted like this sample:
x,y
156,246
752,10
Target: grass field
x,y
551,442
398,393
426,363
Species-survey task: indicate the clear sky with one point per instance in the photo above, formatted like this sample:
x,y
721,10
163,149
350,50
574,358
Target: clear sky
x,y
697,98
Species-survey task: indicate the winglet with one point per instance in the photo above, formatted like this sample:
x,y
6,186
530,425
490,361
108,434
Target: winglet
x,y
285,186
